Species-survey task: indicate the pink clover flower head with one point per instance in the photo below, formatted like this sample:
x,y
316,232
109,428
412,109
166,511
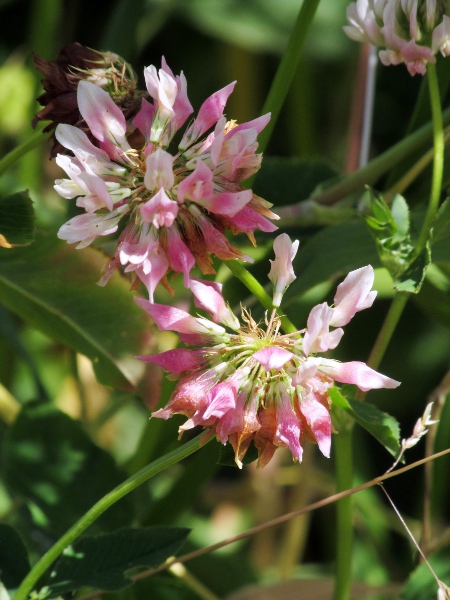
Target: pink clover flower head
x,y
411,32
281,271
248,383
174,207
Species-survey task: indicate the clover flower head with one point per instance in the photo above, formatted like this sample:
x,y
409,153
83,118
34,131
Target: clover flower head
x,y
174,208
407,31
247,382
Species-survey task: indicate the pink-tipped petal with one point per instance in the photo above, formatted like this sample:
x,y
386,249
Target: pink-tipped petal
x,y
281,271
180,257
143,119
222,398
208,296
318,337
273,357
227,203
353,295
288,428
318,420
169,318
103,116
160,210
247,220
357,373
159,173
209,113
176,361
197,185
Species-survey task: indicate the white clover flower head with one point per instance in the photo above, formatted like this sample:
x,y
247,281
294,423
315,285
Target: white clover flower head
x,y
254,384
174,208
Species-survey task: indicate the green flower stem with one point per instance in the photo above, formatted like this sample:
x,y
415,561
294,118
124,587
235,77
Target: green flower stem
x,y
400,298
15,155
381,164
438,162
258,291
287,69
99,508
344,529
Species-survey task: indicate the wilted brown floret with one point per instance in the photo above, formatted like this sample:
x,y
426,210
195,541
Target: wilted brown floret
x,y
60,82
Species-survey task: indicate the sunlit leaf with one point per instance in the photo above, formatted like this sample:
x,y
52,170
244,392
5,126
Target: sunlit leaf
x,y
16,220
421,584
53,287
103,561
382,426
49,460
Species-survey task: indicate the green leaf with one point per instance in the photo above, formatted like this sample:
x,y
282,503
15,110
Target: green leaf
x,y
53,287
102,561
162,588
390,228
226,456
421,585
49,460
14,563
441,223
288,180
412,279
16,220
382,426
435,303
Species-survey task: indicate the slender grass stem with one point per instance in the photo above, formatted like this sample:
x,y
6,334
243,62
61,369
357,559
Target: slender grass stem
x,y
286,71
19,151
344,528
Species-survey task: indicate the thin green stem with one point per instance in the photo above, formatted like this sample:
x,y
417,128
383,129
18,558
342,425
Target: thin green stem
x,y
344,528
15,155
287,69
438,161
258,291
99,508
379,165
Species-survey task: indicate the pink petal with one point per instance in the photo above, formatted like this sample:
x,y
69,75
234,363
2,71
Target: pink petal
x,y
210,112
227,203
176,361
222,398
180,257
318,420
353,295
208,296
259,123
357,373
288,429
318,338
198,184
159,266
169,318
144,119
160,210
247,220
281,271
159,173
103,116
273,357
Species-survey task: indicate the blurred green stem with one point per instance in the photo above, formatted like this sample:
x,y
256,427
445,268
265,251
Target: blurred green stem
x,y
287,69
258,291
438,161
99,508
344,530
12,157
401,298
